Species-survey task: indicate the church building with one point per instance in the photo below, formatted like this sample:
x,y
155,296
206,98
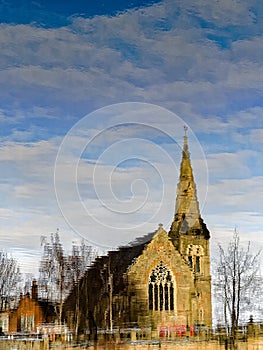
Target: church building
x,y
162,281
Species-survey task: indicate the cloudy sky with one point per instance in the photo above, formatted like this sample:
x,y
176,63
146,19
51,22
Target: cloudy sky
x,y
94,97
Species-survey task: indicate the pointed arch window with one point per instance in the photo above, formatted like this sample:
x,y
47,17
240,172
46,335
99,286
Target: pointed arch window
x,y
161,289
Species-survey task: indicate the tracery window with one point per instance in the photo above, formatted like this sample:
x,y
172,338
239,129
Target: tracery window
x,y
161,289
194,253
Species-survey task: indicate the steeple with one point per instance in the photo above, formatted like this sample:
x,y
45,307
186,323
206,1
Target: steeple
x,y
187,219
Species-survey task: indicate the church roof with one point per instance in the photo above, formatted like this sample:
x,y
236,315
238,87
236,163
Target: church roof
x,y
117,262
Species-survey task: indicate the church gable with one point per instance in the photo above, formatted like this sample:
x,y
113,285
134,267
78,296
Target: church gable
x,y
159,249
160,280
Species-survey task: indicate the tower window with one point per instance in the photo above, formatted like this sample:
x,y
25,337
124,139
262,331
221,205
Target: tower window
x,y
197,264
194,256
190,261
161,289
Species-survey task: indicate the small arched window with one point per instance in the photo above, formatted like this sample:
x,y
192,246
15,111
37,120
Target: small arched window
x,y
161,289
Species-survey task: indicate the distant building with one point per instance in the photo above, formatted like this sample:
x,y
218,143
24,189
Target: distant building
x,y
30,313
162,282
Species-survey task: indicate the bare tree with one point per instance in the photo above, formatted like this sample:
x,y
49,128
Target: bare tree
x,y
60,272
27,279
53,271
10,277
237,281
77,264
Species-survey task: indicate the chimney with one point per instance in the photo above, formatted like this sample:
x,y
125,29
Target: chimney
x,y
34,290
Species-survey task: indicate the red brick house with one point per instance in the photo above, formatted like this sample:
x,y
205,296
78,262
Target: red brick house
x,y
30,313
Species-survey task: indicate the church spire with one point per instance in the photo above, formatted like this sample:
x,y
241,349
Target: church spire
x,y
187,219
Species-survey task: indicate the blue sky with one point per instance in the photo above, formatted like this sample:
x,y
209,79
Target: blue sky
x,y
50,14
118,82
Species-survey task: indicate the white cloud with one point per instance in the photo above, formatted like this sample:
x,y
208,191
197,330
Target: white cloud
x,y
248,50
230,165
245,75
247,118
11,151
256,137
220,13
5,213
27,176
117,57
236,195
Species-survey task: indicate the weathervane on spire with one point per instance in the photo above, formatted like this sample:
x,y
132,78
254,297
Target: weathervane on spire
x,y
185,151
